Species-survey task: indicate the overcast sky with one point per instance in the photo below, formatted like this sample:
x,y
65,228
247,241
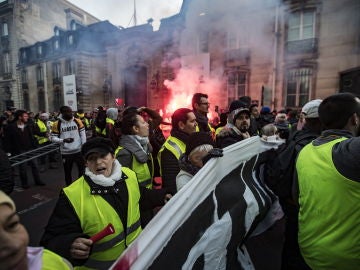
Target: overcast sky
x,y
120,12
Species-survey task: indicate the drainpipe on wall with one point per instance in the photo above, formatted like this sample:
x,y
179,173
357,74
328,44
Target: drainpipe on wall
x,y
46,96
274,71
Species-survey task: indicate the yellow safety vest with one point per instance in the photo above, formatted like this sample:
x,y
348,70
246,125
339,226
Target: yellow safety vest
x,y
212,130
175,146
43,128
142,170
95,213
329,212
103,132
51,261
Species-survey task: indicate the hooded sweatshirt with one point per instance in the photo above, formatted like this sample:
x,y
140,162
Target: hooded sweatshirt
x,y
68,129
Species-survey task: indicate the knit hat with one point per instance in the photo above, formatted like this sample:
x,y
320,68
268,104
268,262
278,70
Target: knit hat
x,y
5,199
311,109
44,115
239,111
196,139
97,145
112,113
236,104
265,110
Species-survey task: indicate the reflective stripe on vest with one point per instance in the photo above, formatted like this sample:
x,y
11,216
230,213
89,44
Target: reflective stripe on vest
x,y
95,213
42,128
143,173
175,146
329,210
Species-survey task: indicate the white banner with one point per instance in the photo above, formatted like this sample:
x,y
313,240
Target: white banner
x,y
197,224
69,86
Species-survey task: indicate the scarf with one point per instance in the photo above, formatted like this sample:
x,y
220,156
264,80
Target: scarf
x,y
104,181
185,165
138,146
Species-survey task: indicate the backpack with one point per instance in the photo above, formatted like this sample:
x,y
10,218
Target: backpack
x,y
57,125
280,167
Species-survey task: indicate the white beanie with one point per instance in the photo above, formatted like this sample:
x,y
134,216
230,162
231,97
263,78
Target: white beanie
x,y
311,109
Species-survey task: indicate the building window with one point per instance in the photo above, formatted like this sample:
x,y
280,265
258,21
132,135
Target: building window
x,y
23,56
57,98
41,99
6,63
203,42
23,76
298,87
73,25
39,50
70,40
301,25
56,70
231,40
5,29
39,74
26,99
70,67
237,82
56,44
57,32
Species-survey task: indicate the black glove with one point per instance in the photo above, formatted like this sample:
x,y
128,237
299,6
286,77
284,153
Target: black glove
x,y
215,152
68,140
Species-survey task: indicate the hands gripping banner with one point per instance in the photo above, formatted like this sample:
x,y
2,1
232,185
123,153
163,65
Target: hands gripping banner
x,y
205,224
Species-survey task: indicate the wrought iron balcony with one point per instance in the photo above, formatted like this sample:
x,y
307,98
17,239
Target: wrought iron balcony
x,y
309,45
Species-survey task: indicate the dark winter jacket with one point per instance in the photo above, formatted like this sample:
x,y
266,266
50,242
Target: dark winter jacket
x,y
18,141
6,178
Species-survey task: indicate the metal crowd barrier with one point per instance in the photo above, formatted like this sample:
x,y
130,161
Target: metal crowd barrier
x,y
38,152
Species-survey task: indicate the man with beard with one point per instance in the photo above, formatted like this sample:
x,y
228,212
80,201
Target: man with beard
x,y
183,124
201,105
328,171
70,132
237,128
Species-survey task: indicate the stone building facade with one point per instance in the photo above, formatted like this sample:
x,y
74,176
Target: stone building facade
x,y
281,53
25,22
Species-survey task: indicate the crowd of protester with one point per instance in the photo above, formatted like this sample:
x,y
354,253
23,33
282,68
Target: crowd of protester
x,y
120,153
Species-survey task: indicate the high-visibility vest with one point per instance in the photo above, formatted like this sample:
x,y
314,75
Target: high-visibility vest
x,y
212,130
144,174
103,132
51,260
329,210
42,128
175,146
95,213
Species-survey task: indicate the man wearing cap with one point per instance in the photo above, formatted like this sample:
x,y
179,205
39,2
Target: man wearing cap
x,y
106,193
328,171
312,128
237,128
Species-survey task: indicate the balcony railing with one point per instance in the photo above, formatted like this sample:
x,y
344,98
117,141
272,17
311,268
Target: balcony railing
x,y
309,45
242,54
40,83
56,80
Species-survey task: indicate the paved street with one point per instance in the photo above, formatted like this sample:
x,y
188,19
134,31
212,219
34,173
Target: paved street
x,y
35,204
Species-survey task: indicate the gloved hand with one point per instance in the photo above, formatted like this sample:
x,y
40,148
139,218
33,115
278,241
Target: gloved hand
x,y
215,152
68,140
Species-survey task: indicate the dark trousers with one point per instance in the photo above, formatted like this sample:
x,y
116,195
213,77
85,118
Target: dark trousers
x,y
23,173
68,161
52,156
291,255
